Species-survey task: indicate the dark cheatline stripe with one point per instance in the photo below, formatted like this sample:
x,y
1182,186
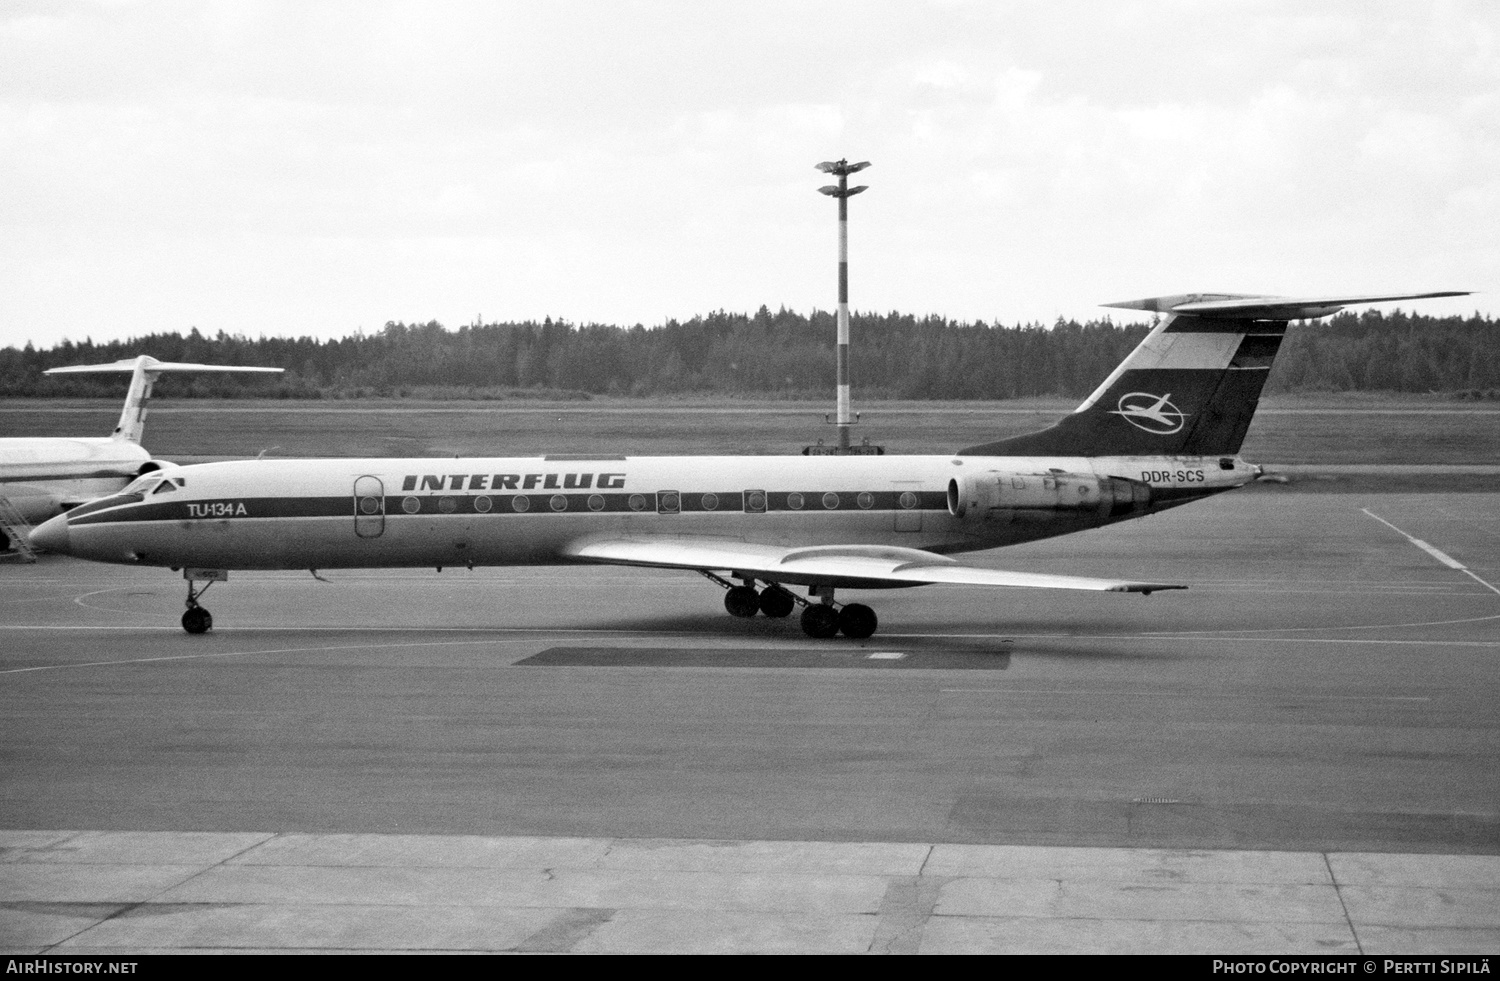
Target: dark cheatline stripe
x,y
103,503
220,509
494,505
688,502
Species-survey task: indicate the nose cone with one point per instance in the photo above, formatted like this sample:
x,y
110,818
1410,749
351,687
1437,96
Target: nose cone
x,y
51,535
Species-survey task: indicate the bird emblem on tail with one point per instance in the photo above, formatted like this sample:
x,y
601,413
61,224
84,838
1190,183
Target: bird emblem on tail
x,y
1154,413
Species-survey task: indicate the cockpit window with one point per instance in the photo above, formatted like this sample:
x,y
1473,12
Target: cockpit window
x,y
143,485
167,486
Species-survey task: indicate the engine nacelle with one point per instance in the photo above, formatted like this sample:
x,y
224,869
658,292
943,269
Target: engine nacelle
x,y
1010,495
152,466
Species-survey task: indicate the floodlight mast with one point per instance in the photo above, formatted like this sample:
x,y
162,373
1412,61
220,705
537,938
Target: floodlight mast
x,y
842,168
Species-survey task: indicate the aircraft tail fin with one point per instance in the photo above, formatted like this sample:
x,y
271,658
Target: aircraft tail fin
x,y
144,372
1191,387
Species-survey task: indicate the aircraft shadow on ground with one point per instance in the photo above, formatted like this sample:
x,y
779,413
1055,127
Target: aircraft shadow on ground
x,y
1034,638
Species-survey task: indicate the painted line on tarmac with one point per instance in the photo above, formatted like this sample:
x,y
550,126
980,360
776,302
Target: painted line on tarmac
x,y
1436,553
284,650
544,632
129,591
1237,696
1199,637
1246,633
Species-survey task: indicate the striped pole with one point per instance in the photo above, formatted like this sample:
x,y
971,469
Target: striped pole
x,y
843,192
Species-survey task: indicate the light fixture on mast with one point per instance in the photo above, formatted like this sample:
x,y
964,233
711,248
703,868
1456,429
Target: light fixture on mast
x,y
842,169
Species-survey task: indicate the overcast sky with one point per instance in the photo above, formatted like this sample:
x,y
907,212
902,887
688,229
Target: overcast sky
x,y
316,168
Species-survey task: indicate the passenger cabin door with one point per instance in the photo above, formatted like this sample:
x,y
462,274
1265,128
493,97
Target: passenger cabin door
x,y
369,507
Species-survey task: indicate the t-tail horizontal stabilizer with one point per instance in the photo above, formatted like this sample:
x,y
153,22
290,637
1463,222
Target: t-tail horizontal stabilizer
x,y
144,372
1191,386
1246,306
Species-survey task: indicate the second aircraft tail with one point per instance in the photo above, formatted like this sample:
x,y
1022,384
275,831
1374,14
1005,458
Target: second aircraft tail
x,y
144,372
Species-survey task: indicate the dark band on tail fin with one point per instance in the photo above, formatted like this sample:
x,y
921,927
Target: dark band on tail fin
x,y
1191,387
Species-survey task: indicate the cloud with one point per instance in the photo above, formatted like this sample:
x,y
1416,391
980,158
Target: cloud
x,y
309,165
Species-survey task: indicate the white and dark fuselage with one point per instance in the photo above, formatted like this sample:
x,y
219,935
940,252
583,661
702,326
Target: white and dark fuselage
x,y
263,514
1163,429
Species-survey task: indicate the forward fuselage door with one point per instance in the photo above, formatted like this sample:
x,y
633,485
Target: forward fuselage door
x,y
369,507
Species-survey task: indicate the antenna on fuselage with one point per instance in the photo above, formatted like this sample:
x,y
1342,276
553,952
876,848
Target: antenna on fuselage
x,y
842,168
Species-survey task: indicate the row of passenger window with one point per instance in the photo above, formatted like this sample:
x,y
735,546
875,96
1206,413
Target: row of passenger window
x,y
667,501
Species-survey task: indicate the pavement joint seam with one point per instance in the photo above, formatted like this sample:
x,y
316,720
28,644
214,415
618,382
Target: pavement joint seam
x,y
1338,891
155,899
48,948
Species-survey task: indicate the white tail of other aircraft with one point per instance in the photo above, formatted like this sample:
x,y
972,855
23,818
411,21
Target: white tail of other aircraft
x,y
144,372
41,476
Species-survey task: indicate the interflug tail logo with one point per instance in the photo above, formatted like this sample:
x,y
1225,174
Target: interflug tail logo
x,y
1153,413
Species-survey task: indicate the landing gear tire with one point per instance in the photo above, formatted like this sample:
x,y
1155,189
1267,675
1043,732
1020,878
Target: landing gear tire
x,y
197,620
820,621
776,603
742,601
857,621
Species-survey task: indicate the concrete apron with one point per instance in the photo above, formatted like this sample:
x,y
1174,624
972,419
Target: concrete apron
x,y
98,892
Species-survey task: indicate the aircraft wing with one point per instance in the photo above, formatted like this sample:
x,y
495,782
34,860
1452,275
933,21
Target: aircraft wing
x,y
853,566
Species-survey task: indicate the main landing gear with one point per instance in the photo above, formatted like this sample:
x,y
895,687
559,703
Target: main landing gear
x,y
821,619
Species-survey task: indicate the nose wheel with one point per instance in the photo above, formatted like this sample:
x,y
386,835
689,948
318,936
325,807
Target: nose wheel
x,y
197,620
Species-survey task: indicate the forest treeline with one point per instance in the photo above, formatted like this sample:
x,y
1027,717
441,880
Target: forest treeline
x,y
780,355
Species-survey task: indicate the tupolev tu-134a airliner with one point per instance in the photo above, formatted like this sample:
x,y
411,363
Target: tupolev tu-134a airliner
x,y
1162,430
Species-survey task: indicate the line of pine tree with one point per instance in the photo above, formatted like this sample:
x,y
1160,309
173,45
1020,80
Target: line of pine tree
x,y
779,355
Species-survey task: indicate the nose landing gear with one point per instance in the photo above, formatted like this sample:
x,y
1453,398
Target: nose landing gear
x,y
197,620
